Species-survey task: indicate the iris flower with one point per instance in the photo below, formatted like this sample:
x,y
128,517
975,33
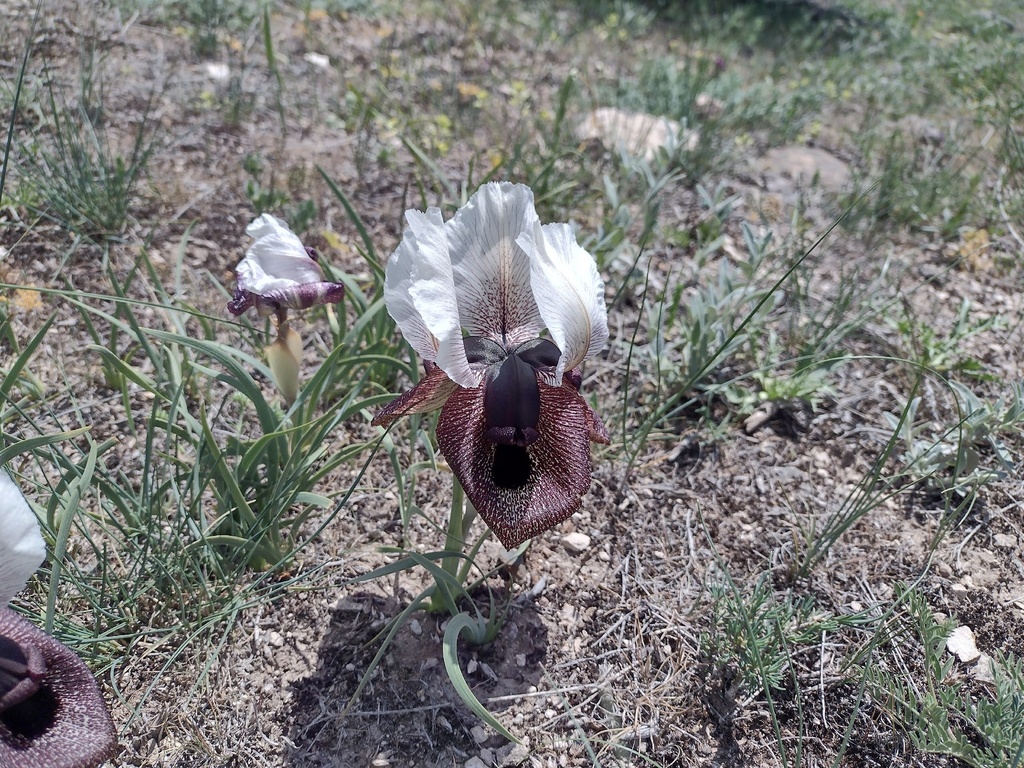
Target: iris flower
x,y
513,425
51,712
278,273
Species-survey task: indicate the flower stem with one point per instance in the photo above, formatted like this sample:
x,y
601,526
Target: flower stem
x,y
453,543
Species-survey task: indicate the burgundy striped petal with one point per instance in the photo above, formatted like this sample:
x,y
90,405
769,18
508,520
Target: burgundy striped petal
x,y
598,431
301,296
428,395
64,722
520,491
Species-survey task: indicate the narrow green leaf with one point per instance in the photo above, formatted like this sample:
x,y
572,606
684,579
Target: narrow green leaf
x,y
450,651
32,443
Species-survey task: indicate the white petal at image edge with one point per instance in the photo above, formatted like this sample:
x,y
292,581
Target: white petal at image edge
x,y
21,545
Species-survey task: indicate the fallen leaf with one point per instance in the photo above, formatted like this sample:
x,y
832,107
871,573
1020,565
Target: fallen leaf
x,y
26,299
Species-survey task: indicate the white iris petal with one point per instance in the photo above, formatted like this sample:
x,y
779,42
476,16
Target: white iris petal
x,y
492,273
419,292
21,545
433,295
569,293
277,261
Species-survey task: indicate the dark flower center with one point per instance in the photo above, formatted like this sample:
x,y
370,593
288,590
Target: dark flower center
x,y
512,466
30,718
512,402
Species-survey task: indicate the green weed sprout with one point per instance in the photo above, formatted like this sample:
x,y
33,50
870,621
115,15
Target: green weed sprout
x,y
281,467
513,425
939,712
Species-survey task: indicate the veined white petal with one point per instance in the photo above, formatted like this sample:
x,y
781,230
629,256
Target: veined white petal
x,y
419,291
492,273
569,293
277,261
21,545
433,294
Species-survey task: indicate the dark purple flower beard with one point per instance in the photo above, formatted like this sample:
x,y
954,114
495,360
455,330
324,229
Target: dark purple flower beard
x,y
21,670
512,402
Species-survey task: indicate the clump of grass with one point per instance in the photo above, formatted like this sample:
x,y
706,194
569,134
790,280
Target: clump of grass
x,y
71,170
913,183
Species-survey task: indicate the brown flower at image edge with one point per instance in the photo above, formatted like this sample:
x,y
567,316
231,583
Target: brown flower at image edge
x,y
52,714
513,425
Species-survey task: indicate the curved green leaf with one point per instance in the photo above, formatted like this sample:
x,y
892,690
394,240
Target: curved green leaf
x,y
450,650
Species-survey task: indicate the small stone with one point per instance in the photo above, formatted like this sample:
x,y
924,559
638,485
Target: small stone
x,y
520,659
943,569
487,755
475,762
275,639
637,133
805,165
415,627
516,756
985,670
1004,540
961,643
760,417
216,70
708,106
318,60
576,542
479,734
